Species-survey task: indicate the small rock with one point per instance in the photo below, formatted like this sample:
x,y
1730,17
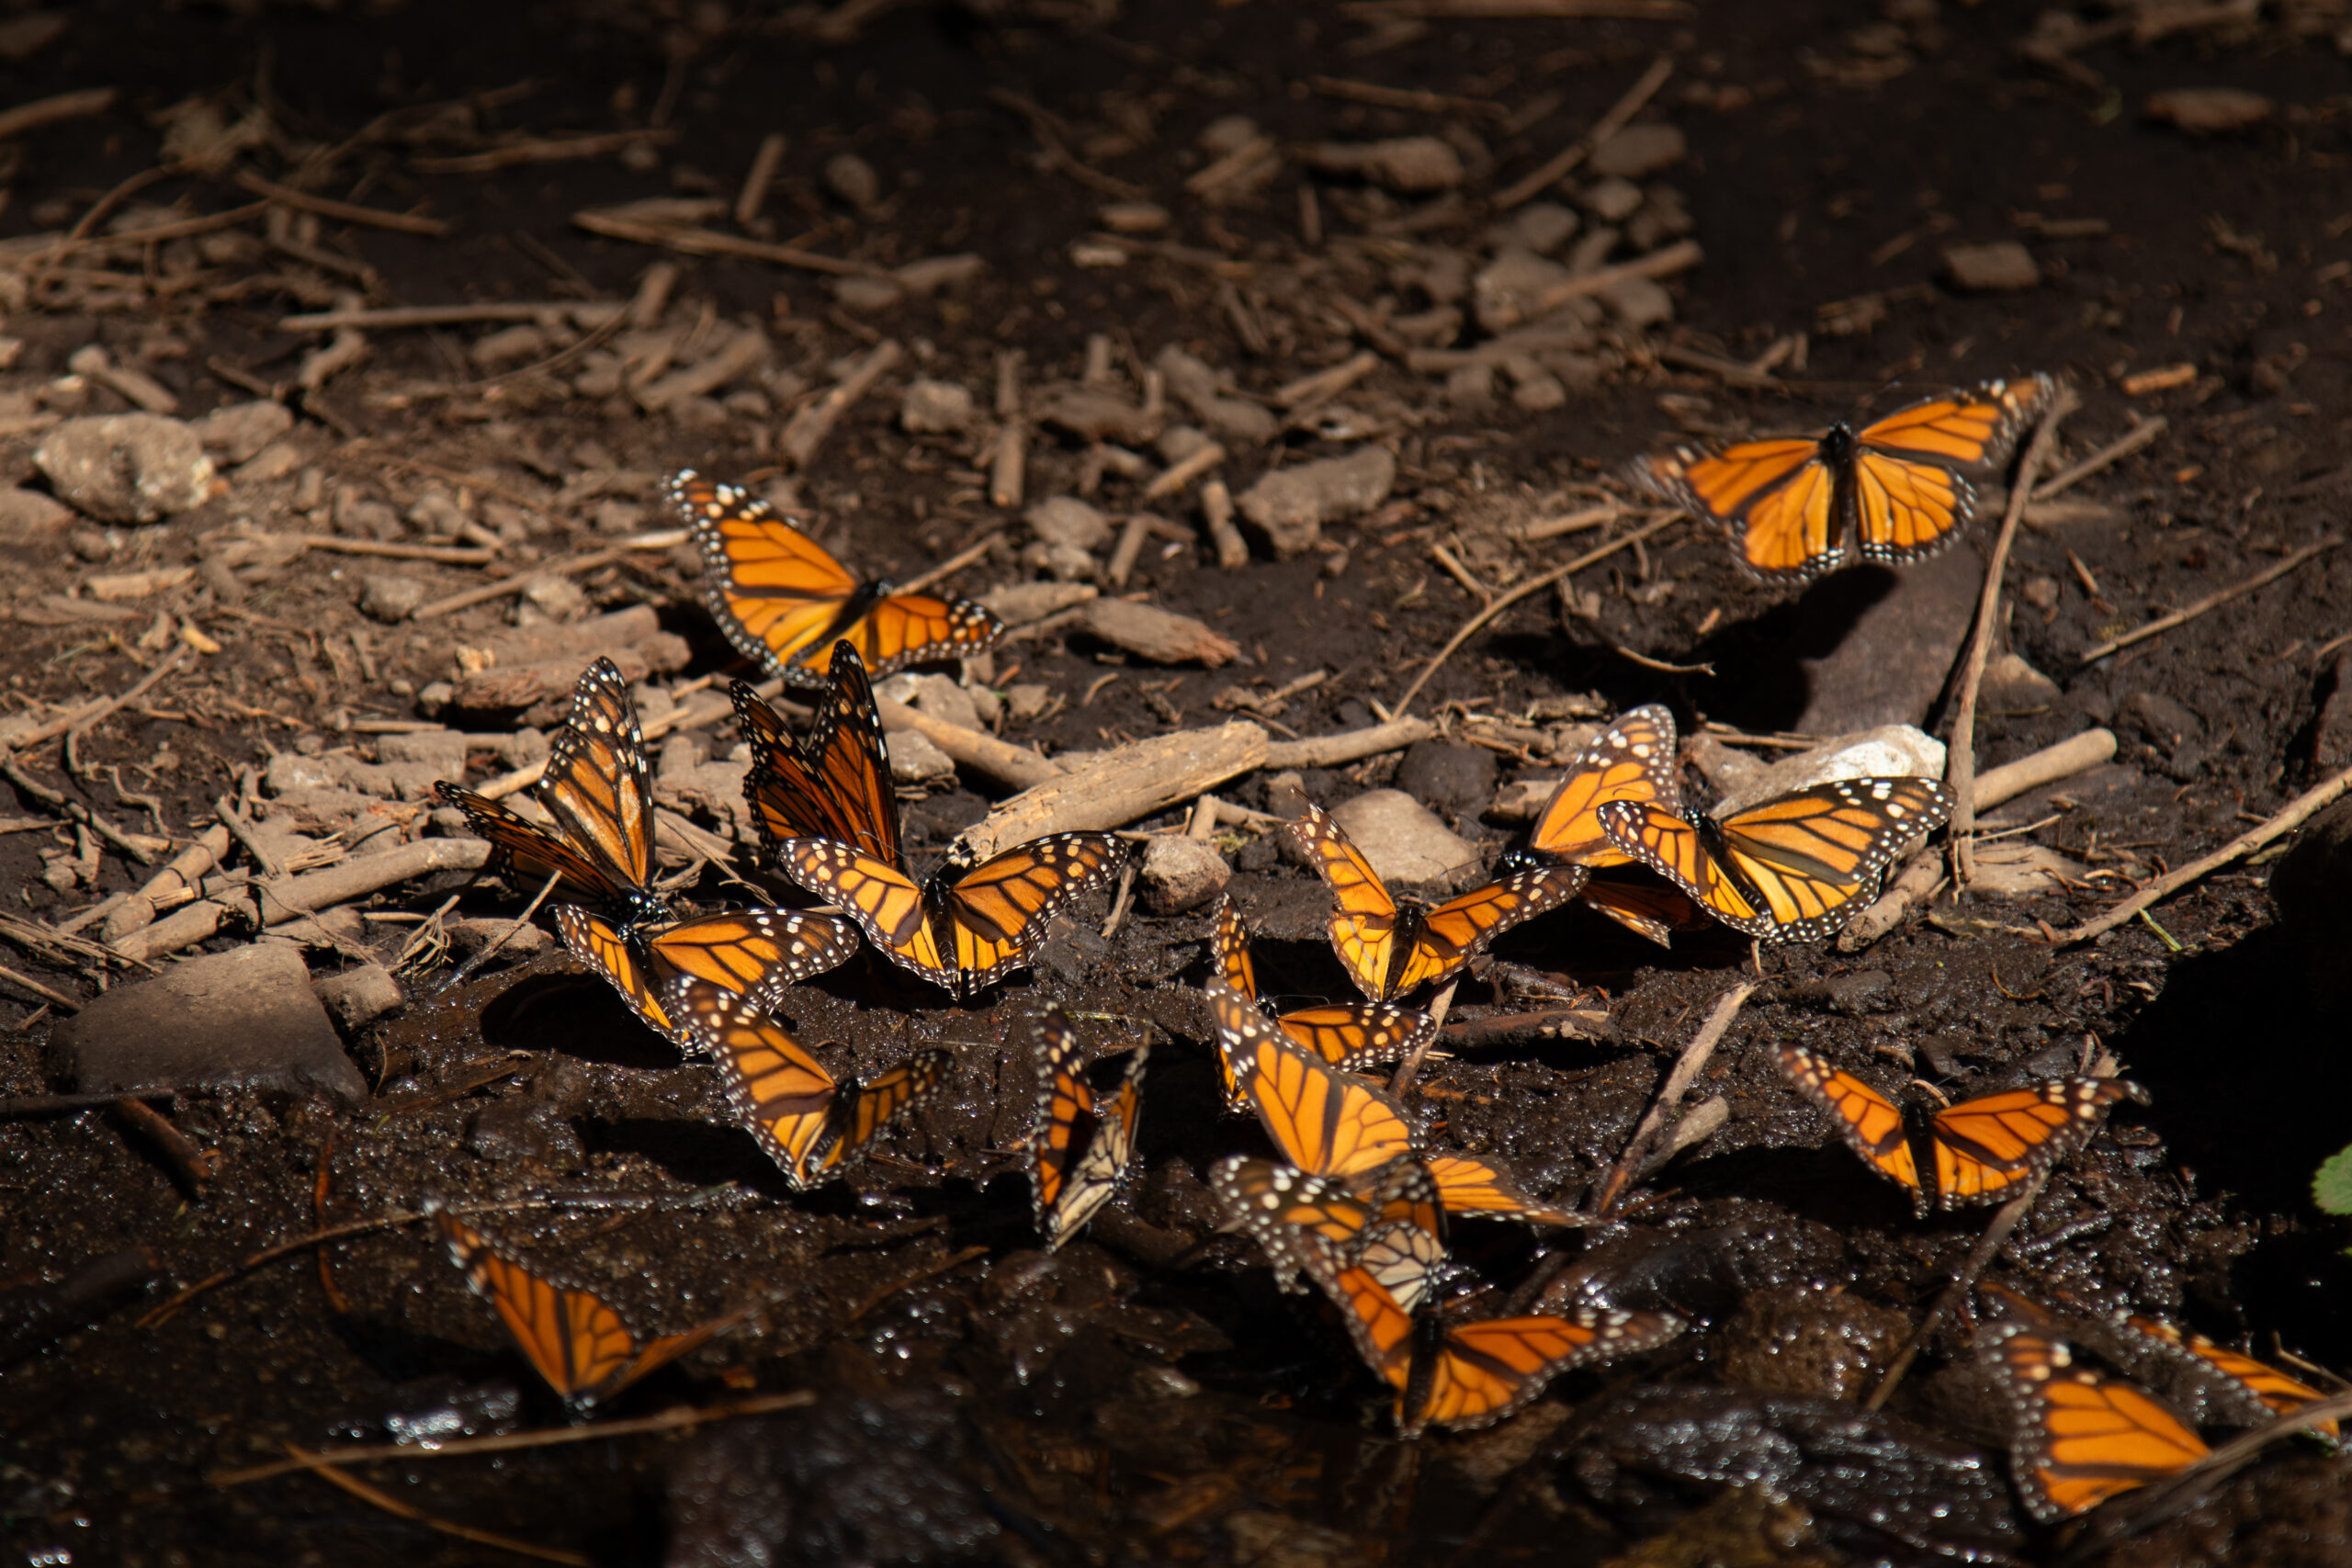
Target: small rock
x,y
274,461
29,517
1192,382
1405,841
1470,386
1639,301
1638,150
1611,201
239,432
1227,133
127,468
1094,415
2164,720
864,296
853,179
1446,776
1134,217
516,939
1518,802
1809,1339
246,1018
916,758
556,598
510,345
2012,687
1540,226
389,597
364,517
1291,505
931,275
1892,750
1538,392
1063,563
1901,630
934,408
1181,873
1729,771
1066,520
2209,111
1414,165
1508,290
2041,593
1017,603
1027,700
357,997
2015,869
941,698
2001,266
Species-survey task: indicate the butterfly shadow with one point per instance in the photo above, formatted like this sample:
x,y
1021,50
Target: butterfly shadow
x,y
1763,682
573,1015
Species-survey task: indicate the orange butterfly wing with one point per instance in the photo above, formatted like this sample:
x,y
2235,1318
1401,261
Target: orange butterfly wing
x,y
1466,1186
1448,936
1229,949
1082,1143
1870,1123
1776,497
998,912
884,901
1365,920
1645,909
758,952
1633,759
836,784
598,785
1816,856
2266,1385
1671,845
2081,1437
1484,1371
1325,1122
1985,1147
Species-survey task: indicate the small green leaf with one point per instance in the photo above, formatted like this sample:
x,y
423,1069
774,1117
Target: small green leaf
x,y
2332,1187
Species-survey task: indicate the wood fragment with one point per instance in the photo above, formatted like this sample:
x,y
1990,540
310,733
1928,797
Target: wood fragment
x,y
1181,473
1640,1146
757,178
1569,522
1161,636
1348,746
1323,385
806,430
1121,564
1054,154
2211,601
1680,256
2076,754
1113,788
1996,1231
194,1167
1407,98
54,110
485,592
296,897
445,554
341,211
32,988
1217,515
390,1504
2142,433
1558,166
696,241
544,150
397,317
983,753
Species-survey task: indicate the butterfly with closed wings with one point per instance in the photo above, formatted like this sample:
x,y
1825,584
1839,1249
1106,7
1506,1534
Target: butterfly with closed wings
x,y
2260,1389
1896,489
1979,1151
759,954
832,783
1083,1140
1633,759
781,598
2079,1437
1286,1210
1388,947
1351,1036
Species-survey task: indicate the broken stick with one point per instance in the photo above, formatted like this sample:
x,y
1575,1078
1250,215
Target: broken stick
x,y
1115,787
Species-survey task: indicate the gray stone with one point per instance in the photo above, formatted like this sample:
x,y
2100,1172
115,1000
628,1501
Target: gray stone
x,y
1518,802
509,346
357,997
1092,415
1027,700
2015,869
1889,752
1405,841
243,1019
1541,226
1891,663
127,468
1291,505
526,1133
240,430
853,179
516,939
932,273
1181,873
916,758
2013,686
1612,200
29,517
1638,150
1446,776
1639,301
2166,721
1066,520
1508,290
863,295
2211,111
389,596
941,698
1017,603
1192,382
934,408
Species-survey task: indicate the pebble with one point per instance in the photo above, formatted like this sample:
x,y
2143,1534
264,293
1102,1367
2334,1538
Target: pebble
x,y
525,1132
1637,151
2164,721
29,517
853,179
2011,686
1541,226
1405,841
1411,165
509,346
1066,520
864,296
1292,505
239,432
1017,603
2003,265
1505,292
358,996
2015,869
1639,301
1193,382
1027,700
1134,217
1892,750
932,273
390,597
1227,133
1891,664
516,939
1810,1339
246,1018
2209,111
916,758
127,468
934,408
1612,200
1447,776
942,699
1094,415
1181,873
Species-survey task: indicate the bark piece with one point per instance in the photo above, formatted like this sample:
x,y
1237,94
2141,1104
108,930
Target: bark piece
x,y
1161,636
1112,789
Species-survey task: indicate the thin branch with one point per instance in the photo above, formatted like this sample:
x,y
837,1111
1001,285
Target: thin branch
x,y
1677,1082
1576,151
305,1459
2211,601
2005,1220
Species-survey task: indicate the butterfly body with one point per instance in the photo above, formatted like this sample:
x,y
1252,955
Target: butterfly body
x,y
1082,1142
1979,1151
2080,1437
1351,1036
833,783
1896,489
2259,1389
781,598
759,954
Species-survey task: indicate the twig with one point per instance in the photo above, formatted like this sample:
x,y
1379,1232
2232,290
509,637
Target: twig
x,y
484,593
756,179
80,722
953,564
1532,585
1349,745
27,983
1057,156
1576,151
51,110
2005,1220
394,317
806,430
458,976
2114,452
669,1420
923,1276
1960,768
2211,601
342,211
1680,256
242,831
1120,901
714,243
1411,1065
196,1166
1572,523
443,555
52,1104
318,1466
1677,1082
2288,820
544,150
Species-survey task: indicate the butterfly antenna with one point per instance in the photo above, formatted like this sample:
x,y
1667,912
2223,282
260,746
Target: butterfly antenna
x,y
465,970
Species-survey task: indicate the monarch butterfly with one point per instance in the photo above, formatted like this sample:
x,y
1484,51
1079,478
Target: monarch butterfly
x,y
1351,1036
1082,1143
599,789
569,1335
779,596
756,953
1896,489
1464,1375
1389,948
966,934
1633,759
810,1125
1327,1122
1796,868
833,785
2262,1388
1286,1211
1978,1150
2081,1437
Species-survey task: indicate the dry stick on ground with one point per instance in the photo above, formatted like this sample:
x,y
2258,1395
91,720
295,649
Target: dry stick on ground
x,y
1576,151
484,593
341,211
1677,1082
1118,787
50,111
1441,1004
2211,601
397,1509
27,984
806,431
2288,820
921,1276
2114,452
713,242
444,554
953,564
544,150
1960,769
52,1104
395,317
196,1166
756,180
2003,1220
1349,745
1532,585
299,897
1680,256
677,1418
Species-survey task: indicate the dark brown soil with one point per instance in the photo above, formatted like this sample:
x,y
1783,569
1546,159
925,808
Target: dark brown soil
x,y
1146,1397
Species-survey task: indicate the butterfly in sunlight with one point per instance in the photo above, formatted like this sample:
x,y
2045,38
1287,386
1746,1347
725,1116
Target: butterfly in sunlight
x,y
2260,1390
1328,1122
1796,868
1349,1035
1978,1151
961,933
1390,947
569,1335
836,783
598,788
759,954
780,597
2080,1437
811,1124
1461,1375
1082,1140
1896,489
1633,759
1286,1211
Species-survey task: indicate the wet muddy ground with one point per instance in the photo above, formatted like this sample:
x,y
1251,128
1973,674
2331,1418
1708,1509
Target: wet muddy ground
x,y
1146,1395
